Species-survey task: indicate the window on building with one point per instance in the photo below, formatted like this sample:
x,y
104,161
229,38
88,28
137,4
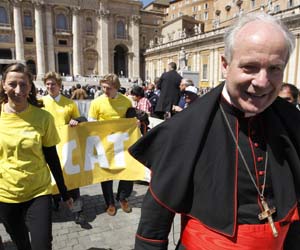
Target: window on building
x,y
27,20
62,42
194,9
204,72
173,7
252,3
205,6
205,16
180,14
120,29
187,1
3,16
290,3
28,40
5,54
89,25
61,22
173,16
277,8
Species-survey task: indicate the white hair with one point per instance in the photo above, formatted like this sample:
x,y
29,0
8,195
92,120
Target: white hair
x,y
230,34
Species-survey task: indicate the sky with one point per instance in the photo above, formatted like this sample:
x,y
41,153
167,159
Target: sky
x,y
145,2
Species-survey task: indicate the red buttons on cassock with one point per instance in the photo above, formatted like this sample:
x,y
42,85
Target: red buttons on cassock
x,y
256,144
261,173
260,159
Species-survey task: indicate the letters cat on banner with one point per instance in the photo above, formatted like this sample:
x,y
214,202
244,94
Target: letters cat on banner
x,y
93,152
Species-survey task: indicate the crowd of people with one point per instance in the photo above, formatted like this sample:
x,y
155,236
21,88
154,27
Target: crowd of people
x,y
244,195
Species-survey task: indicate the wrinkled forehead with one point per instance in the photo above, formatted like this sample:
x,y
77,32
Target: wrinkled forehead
x,y
260,31
261,37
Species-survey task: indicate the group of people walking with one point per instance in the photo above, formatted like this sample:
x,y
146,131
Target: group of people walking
x,y
28,155
229,164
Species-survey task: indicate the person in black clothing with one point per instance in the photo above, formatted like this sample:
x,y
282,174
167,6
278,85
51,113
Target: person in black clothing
x,y
169,91
233,170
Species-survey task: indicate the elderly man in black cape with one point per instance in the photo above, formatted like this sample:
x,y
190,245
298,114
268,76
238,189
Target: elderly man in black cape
x,y
229,164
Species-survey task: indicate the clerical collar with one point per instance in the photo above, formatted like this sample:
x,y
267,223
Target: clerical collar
x,y
57,98
238,112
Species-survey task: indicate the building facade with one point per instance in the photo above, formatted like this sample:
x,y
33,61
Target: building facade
x,y
72,37
204,47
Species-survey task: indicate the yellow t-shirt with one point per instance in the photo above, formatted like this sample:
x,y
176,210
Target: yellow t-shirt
x,y
63,111
24,173
104,108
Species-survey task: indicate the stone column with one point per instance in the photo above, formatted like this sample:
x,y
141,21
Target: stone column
x,y
39,40
103,42
19,42
211,68
13,53
135,36
71,59
50,42
130,65
56,61
77,71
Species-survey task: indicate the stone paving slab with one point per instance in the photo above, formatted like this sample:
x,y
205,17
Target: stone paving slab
x,y
101,232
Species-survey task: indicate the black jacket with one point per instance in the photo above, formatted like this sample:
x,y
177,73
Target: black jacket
x,y
191,164
169,91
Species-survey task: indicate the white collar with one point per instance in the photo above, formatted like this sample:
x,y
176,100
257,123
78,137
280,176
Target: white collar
x,y
57,98
228,99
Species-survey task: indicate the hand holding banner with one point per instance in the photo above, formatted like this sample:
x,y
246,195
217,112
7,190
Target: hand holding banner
x,y
93,152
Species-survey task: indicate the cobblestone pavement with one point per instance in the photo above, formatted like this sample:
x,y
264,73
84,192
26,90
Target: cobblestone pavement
x,y
101,232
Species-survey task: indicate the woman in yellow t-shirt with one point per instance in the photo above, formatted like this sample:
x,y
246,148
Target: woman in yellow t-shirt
x,y
28,139
112,105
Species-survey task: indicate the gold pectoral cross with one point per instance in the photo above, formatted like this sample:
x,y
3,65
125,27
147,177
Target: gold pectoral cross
x,y
267,213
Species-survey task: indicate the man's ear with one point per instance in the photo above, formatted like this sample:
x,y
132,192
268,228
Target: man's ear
x,y
225,66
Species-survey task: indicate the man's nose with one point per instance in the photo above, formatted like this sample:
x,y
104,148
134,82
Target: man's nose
x,y
261,78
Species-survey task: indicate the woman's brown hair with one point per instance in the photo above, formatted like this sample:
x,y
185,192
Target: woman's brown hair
x,y
20,68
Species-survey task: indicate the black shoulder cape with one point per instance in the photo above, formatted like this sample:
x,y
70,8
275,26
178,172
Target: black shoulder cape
x,y
193,161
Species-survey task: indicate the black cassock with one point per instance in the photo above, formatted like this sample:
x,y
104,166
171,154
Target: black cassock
x,y
196,169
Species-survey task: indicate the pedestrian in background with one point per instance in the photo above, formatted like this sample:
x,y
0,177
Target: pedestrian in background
x,y
64,112
27,144
183,85
289,92
169,91
190,95
141,102
79,93
112,105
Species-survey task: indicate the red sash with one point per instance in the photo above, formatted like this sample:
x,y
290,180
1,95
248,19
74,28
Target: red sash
x,y
195,236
